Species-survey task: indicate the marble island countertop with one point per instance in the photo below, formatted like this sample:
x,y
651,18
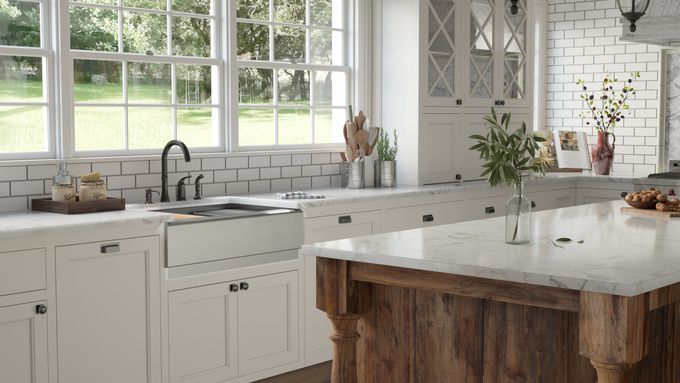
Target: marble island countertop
x,y
620,254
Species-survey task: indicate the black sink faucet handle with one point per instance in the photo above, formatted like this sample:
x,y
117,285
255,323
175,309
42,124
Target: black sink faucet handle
x,y
181,188
199,187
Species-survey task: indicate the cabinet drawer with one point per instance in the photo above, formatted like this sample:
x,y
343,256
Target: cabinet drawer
x,y
341,226
413,217
22,271
484,208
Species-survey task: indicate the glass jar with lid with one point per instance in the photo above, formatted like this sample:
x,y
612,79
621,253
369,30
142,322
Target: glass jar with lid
x,y
92,190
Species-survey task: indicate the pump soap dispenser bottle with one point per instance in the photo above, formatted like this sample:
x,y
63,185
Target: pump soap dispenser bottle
x,y
63,189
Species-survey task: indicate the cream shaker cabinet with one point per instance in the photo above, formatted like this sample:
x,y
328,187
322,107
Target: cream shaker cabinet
x,y
108,307
23,343
318,347
221,331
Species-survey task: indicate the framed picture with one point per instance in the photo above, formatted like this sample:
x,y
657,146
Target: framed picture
x,y
670,107
571,149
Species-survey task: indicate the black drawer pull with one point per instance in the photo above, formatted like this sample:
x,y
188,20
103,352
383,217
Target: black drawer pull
x,y
490,210
459,102
244,286
233,287
345,219
41,309
459,177
428,218
110,249
533,204
499,102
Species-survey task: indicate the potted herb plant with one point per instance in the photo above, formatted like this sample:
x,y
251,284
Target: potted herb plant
x,y
386,166
509,156
606,109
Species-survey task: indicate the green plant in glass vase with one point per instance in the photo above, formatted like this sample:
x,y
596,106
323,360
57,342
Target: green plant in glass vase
x,y
605,109
509,156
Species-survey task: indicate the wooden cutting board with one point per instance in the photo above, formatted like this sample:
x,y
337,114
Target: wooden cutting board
x,y
649,213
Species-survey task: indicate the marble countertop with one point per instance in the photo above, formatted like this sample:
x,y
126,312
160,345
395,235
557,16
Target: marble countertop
x,y
620,254
25,224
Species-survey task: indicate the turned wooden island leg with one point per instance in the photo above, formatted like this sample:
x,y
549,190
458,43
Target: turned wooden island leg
x,y
613,333
344,336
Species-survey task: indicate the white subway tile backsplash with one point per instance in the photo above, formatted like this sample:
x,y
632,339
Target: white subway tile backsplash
x,y
41,172
120,182
225,175
259,162
236,188
301,183
321,158
301,159
136,167
270,173
248,174
311,170
107,168
262,186
282,160
27,187
12,173
222,176
13,204
212,164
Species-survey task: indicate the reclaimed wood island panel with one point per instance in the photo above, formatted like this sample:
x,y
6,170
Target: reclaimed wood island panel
x,y
456,304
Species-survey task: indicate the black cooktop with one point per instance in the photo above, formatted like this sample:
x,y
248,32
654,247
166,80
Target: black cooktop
x,y
667,176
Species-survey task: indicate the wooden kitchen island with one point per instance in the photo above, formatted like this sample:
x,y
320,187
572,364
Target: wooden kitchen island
x,y
456,304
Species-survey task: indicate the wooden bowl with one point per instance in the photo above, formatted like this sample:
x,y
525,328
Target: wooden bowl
x,y
640,204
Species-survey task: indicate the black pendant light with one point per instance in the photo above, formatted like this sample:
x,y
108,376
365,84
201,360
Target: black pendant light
x,y
633,10
514,9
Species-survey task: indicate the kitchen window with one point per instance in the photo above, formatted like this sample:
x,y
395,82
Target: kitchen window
x,y
144,72
26,80
86,78
292,73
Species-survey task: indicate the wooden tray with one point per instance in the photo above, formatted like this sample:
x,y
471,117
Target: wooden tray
x,y
649,213
47,205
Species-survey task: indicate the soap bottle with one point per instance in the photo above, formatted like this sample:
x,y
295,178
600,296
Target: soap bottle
x,y
63,189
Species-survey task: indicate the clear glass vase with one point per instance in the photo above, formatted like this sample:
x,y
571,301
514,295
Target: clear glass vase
x,y
518,218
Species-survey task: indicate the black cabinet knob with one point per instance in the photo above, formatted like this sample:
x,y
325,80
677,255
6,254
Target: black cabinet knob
x,y
244,286
233,287
459,177
41,309
459,102
624,194
533,204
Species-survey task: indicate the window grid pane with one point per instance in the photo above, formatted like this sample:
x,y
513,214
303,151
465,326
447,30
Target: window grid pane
x,y
25,108
158,101
305,103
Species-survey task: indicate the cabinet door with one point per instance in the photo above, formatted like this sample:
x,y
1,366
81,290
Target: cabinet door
x,y
318,347
439,133
515,89
484,208
23,344
203,334
443,54
482,53
553,199
268,322
587,196
108,311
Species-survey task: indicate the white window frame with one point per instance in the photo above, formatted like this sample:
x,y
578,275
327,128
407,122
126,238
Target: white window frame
x,y
349,42
45,52
68,56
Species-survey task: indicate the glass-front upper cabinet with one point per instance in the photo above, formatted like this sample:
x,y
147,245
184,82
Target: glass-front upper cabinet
x,y
482,52
443,52
515,51
498,46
